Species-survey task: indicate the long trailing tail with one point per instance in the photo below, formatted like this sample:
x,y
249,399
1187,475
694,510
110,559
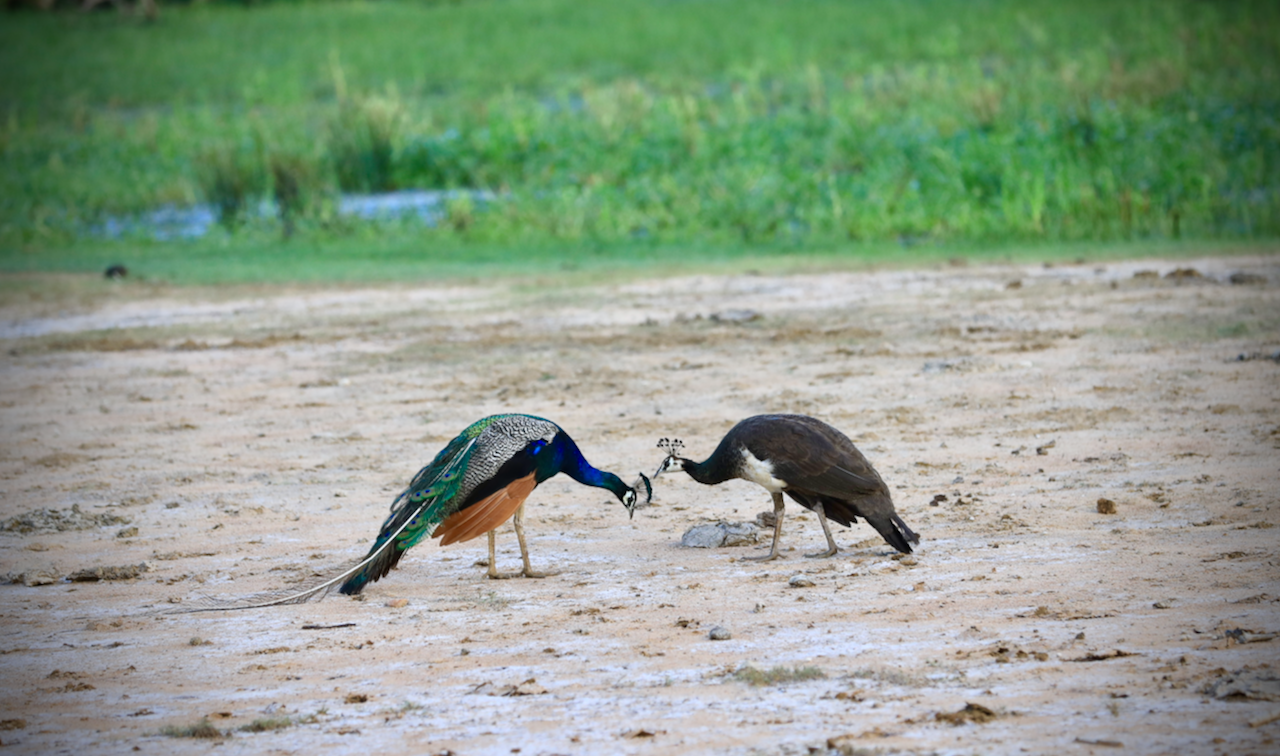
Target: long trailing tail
x,y
894,531
414,514
377,563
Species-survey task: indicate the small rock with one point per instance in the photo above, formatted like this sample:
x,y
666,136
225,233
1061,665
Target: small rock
x,y
1243,279
122,572
115,271
1255,684
1106,506
33,578
129,532
800,581
735,316
1166,604
398,603
714,535
971,712
1183,273
1043,449
719,633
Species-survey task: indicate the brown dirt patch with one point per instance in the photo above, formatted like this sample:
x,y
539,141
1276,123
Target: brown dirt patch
x,y
252,444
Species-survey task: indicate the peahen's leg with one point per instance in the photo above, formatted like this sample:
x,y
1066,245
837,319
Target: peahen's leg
x,y
826,530
779,506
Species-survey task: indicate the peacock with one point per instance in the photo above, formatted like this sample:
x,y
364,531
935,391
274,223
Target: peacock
x,y
808,460
477,482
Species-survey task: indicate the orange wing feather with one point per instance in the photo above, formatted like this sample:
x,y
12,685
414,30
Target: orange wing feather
x,y
486,514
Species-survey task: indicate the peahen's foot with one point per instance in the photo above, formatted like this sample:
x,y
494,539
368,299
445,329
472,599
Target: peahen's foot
x,y
823,554
772,555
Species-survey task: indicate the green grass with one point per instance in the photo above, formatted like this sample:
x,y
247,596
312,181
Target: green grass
x,y
777,675
203,729
638,131
267,724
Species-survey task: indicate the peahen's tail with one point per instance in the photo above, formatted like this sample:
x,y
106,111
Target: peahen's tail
x,y
894,531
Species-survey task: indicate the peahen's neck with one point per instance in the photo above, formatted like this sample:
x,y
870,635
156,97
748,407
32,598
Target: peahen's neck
x,y
711,471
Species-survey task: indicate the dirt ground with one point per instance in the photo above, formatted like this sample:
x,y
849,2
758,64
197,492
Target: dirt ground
x,y
161,446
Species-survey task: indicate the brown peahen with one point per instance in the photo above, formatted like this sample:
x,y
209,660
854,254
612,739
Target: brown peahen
x,y
808,460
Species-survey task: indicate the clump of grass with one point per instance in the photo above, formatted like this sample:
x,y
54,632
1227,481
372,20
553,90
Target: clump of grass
x,y
491,600
202,729
229,180
361,138
777,675
267,724
296,187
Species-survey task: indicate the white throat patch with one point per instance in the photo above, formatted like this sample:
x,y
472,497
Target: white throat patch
x,y
760,472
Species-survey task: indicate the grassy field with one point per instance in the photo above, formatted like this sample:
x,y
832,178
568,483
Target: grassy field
x,y
636,132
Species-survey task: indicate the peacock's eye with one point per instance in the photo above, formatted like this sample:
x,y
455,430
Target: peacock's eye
x,y
537,446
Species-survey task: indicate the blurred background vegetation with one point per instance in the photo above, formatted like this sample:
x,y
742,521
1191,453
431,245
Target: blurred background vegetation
x,y
630,131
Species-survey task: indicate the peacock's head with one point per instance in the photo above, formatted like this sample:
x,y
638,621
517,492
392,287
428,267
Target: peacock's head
x,y
631,498
673,460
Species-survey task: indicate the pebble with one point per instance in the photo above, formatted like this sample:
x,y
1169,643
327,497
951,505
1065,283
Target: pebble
x,y
719,633
718,534
800,581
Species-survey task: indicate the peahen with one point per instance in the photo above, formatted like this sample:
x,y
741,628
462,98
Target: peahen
x,y
808,460
477,482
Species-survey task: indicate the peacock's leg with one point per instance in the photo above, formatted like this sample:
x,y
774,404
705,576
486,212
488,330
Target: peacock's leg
x,y
493,560
779,506
826,530
518,522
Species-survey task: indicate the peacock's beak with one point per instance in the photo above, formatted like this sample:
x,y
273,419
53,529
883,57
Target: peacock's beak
x,y
648,495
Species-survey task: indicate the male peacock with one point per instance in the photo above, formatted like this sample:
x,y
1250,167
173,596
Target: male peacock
x,y
808,460
476,483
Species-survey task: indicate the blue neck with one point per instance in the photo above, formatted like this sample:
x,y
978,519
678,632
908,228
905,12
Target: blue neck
x,y
572,463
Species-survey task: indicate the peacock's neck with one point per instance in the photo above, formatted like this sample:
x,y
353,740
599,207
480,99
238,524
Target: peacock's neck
x,y
572,463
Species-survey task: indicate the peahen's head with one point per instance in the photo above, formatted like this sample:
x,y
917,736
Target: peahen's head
x,y
673,460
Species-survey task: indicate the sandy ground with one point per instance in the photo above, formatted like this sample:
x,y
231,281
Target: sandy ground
x,y
235,444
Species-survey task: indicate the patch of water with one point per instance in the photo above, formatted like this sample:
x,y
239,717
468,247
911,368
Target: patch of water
x,y
171,222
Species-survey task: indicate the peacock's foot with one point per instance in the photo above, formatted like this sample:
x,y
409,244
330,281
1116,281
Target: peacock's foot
x,y
772,555
495,575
